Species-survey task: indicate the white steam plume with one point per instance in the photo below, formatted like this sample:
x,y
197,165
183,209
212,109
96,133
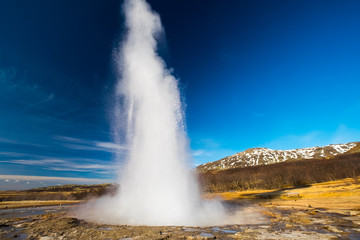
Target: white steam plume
x,y
157,186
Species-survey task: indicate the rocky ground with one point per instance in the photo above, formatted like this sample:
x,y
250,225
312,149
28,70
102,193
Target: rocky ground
x,y
328,210
269,222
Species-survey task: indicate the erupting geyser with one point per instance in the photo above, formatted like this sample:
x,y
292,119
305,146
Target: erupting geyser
x,y
157,186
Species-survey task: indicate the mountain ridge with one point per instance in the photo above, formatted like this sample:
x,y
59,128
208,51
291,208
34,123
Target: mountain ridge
x,y
265,156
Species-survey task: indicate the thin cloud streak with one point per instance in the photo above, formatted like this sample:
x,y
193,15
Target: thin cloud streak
x,y
45,178
15,142
12,154
82,144
62,165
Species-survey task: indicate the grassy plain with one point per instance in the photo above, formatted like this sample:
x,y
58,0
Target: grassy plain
x,y
340,196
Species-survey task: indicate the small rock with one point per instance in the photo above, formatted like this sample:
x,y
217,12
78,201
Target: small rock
x,y
237,235
333,229
354,213
289,225
46,238
202,236
312,212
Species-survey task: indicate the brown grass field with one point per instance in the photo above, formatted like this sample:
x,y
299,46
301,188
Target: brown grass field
x,y
340,196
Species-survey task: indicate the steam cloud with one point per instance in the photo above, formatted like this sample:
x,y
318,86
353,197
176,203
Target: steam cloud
x,y
157,186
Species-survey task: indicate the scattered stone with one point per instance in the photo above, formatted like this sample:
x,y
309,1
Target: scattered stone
x,y
46,238
265,226
312,212
354,213
237,235
333,229
289,225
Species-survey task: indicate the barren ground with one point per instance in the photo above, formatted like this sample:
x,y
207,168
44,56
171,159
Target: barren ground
x,y
320,211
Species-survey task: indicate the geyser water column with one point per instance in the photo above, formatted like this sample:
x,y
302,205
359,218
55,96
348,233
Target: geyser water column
x,y
157,186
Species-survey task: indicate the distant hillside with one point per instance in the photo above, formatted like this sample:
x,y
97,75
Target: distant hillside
x,y
266,156
63,192
283,175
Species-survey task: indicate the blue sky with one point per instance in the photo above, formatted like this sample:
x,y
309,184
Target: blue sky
x,y
277,74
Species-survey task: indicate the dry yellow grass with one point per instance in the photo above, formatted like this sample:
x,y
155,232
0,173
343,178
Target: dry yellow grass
x,y
247,194
339,196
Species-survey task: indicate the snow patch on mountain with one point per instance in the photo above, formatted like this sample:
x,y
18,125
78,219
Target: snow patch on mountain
x,y
264,156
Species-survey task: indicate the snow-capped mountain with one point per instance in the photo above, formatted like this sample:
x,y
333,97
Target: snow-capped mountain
x,y
264,156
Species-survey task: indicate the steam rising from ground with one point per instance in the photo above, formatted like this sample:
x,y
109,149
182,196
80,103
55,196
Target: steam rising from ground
x,y
157,186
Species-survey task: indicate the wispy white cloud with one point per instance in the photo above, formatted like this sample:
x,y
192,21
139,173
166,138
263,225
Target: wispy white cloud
x,y
64,165
110,145
90,145
11,141
64,169
16,142
12,154
42,162
43,158
70,139
46,178
198,152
